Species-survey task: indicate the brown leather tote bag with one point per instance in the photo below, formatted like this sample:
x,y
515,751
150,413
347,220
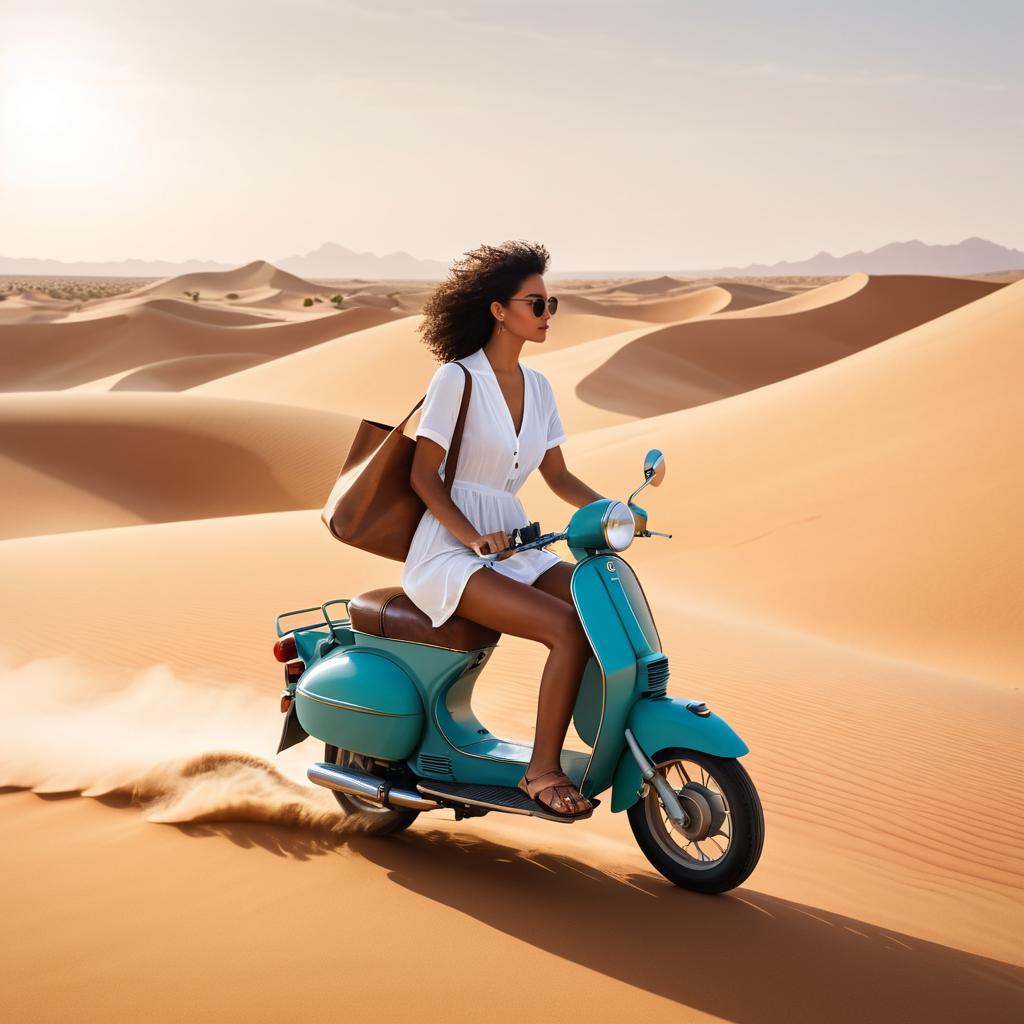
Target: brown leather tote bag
x,y
372,504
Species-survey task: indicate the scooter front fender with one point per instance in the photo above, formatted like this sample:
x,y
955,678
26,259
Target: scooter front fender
x,y
668,722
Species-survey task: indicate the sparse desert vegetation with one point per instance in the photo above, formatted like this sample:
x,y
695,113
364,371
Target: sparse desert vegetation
x,y
73,289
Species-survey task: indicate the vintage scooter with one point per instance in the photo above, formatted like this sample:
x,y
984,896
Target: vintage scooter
x,y
390,696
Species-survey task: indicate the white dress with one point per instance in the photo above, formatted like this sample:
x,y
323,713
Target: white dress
x,y
493,464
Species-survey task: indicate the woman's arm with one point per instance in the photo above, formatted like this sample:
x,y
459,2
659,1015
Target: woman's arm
x,y
569,487
434,434
426,482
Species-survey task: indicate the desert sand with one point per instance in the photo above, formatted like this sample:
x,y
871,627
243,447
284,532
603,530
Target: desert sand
x,y
843,585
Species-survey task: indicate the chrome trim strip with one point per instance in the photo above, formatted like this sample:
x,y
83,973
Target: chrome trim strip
x,y
349,707
418,643
424,787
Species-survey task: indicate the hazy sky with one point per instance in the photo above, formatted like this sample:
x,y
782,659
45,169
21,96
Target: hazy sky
x,y
629,135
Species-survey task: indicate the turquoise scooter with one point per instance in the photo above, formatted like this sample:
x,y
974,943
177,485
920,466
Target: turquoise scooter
x,y
390,697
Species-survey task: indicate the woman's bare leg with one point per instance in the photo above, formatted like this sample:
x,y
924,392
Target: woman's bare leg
x,y
538,613
557,695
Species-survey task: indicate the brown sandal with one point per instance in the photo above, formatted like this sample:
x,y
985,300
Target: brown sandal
x,y
534,787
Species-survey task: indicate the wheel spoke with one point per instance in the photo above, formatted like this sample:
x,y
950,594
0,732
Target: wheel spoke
x,y
685,849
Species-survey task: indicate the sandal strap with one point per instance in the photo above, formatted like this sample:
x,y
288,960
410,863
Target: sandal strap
x,y
544,775
555,773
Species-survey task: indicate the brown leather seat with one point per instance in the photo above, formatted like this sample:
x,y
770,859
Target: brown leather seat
x,y
389,612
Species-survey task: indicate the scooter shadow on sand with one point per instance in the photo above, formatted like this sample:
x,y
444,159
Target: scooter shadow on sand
x,y
796,962
390,697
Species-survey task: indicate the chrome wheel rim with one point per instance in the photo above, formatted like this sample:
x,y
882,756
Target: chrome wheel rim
x,y
711,827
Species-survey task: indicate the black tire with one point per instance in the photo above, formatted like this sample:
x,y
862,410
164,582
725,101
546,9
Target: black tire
x,y
378,821
745,820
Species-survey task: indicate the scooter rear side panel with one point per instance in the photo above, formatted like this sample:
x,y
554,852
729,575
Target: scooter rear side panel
x,y
361,700
368,693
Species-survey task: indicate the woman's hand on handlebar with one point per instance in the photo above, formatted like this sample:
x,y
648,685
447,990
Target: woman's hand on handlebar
x,y
489,543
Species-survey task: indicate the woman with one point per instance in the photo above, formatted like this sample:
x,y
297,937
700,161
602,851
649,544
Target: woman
x,y
493,302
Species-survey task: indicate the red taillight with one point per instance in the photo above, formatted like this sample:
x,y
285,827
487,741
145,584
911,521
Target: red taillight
x,y
285,649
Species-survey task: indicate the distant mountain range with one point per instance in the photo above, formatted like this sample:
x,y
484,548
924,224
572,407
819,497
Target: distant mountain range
x,y
971,256
330,261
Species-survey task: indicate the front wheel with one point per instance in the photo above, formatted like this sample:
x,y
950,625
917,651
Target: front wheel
x,y
722,843
371,816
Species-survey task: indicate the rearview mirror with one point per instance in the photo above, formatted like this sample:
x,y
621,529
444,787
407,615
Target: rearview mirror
x,y
654,467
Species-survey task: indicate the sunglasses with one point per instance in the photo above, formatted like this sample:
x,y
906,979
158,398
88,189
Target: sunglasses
x,y
538,304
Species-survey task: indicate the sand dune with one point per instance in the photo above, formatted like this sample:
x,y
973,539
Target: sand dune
x,y
30,307
60,355
176,374
641,371
743,296
801,703
156,458
583,345
370,300
575,329
697,302
200,312
256,283
714,357
842,584
650,286
872,499
379,374
548,912
823,295
691,301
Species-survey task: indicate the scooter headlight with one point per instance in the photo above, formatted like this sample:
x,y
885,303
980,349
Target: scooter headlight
x,y
618,526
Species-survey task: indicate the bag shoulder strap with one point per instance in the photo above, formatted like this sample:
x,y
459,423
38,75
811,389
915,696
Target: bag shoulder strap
x,y
456,443
405,419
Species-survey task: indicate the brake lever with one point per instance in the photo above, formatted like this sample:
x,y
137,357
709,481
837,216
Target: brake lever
x,y
525,534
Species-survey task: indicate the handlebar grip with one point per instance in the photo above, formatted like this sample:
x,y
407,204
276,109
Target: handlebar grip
x,y
520,535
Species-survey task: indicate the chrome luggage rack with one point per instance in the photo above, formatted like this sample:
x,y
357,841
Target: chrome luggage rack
x,y
322,608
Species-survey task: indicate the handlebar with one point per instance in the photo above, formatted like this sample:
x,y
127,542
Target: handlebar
x,y
526,537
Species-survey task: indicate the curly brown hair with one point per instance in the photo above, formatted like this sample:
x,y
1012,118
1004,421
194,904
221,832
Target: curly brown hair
x,y
457,318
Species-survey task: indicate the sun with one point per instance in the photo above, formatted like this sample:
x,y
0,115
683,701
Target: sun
x,y
60,122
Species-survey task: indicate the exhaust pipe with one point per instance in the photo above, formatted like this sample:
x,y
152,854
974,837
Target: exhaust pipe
x,y
369,787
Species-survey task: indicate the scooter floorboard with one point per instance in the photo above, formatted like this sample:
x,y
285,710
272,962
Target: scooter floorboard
x,y
497,798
